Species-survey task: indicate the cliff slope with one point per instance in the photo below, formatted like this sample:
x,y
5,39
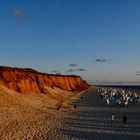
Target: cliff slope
x,y
28,80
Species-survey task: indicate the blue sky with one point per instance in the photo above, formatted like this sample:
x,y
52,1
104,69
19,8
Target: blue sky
x,y
101,37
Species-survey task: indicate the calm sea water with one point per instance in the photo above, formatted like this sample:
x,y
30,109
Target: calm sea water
x,y
129,87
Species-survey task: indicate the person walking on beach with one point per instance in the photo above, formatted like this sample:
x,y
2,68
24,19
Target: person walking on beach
x,y
112,118
124,120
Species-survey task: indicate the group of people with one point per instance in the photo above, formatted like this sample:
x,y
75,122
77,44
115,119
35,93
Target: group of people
x,y
124,119
111,96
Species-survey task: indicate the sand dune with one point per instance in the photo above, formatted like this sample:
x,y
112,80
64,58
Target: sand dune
x,y
28,116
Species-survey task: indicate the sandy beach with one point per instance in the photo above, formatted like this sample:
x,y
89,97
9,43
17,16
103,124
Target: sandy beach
x,y
34,117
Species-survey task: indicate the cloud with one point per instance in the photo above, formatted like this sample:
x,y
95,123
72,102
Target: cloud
x,y
80,69
76,70
110,73
18,14
72,65
55,71
120,82
70,70
104,82
137,73
103,60
134,82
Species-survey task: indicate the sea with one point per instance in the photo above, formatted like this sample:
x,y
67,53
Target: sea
x,y
128,87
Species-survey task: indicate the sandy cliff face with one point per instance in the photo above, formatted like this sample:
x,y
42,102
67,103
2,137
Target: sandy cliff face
x,y
28,80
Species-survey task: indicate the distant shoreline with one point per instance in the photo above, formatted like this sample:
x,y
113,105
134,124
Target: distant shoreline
x,y
129,87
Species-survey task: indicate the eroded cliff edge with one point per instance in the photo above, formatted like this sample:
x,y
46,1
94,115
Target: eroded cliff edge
x,y
25,80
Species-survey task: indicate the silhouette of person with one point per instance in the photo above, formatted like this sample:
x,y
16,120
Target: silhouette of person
x,y
124,120
75,106
58,107
112,118
81,97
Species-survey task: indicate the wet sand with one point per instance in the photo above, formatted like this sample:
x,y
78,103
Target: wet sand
x,y
92,121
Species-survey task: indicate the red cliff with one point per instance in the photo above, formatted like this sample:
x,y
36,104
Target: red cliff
x,y
28,80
